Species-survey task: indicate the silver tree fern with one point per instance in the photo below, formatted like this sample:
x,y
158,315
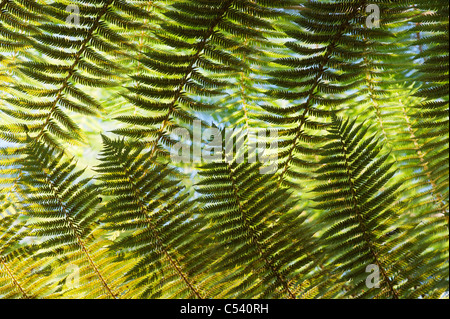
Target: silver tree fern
x,y
93,94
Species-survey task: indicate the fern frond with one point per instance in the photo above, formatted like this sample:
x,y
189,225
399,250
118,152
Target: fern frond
x,y
360,222
151,209
253,223
61,209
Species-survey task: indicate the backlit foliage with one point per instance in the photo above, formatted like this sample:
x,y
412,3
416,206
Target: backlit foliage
x,y
92,93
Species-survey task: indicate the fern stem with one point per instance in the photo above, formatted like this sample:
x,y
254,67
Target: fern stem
x,y
78,238
140,47
254,238
71,70
174,263
190,69
317,81
13,278
437,197
361,219
374,102
244,101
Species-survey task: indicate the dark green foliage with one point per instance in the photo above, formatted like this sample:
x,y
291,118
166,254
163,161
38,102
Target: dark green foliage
x,y
149,205
61,206
257,228
361,112
358,212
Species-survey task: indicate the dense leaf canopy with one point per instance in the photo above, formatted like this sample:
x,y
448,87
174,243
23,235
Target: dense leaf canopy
x,y
353,94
